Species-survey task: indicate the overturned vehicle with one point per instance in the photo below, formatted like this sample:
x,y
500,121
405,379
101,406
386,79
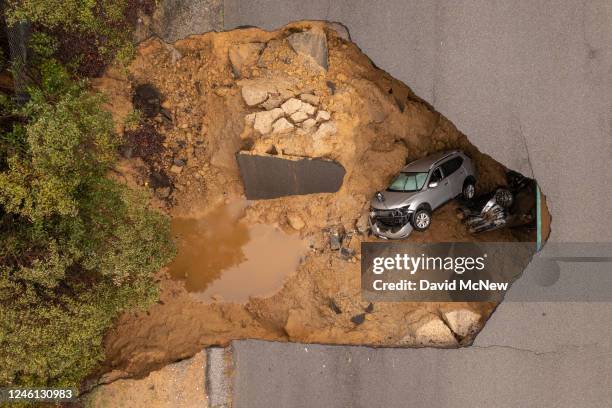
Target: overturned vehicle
x,y
511,206
420,188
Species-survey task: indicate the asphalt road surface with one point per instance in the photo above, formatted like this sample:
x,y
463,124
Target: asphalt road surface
x,y
304,376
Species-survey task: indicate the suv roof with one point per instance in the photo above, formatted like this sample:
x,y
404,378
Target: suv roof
x,y
426,163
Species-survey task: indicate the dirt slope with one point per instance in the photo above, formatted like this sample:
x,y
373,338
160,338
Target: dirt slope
x,y
371,124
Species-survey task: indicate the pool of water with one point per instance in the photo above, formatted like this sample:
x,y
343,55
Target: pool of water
x,y
222,258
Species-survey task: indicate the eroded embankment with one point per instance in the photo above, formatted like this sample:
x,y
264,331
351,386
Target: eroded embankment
x,y
302,91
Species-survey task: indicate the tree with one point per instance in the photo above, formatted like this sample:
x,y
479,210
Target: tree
x,y
76,247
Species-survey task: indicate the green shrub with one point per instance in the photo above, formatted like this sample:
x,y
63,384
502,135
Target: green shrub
x,y
73,15
76,247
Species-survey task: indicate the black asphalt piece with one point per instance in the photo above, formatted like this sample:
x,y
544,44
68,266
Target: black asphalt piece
x,y
358,319
267,177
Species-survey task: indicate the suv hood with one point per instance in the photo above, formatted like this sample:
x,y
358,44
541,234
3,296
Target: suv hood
x,y
392,200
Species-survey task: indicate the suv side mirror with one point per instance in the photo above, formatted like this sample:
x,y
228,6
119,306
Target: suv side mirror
x,y
433,184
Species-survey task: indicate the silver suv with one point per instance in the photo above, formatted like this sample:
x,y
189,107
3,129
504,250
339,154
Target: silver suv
x,y
421,187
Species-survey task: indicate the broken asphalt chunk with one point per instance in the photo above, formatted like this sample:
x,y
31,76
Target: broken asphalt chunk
x,y
266,177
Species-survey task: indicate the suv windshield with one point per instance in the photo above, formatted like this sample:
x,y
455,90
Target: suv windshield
x,y
408,182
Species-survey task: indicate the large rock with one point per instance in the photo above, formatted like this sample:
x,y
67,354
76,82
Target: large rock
x,y
429,331
326,129
254,94
340,30
282,126
265,119
243,55
463,322
311,43
291,106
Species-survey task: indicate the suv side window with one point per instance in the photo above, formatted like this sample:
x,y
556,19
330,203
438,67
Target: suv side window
x,y
436,175
452,165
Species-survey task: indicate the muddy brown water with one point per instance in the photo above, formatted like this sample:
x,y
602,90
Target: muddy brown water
x,y
221,257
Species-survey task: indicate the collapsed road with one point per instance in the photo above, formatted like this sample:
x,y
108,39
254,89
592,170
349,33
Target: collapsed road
x,y
303,94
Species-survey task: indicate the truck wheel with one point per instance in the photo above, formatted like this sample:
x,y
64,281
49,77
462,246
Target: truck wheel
x,y
421,219
469,189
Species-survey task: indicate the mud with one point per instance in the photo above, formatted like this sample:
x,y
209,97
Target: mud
x,y
221,258
365,120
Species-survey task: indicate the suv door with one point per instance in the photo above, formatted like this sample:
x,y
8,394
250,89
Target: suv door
x,y
441,193
453,170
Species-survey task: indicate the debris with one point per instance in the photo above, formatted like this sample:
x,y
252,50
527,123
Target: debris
x,y
309,124
358,319
254,94
299,116
362,225
326,129
462,322
429,331
307,108
273,101
243,55
311,43
347,253
179,162
322,116
176,169
333,306
310,98
340,30
265,119
335,239
369,308
282,126
291,105
295,221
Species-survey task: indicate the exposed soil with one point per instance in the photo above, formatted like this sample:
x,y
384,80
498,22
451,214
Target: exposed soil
x,y
375,125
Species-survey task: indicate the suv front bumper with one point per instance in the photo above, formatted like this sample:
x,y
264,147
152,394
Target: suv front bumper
x,y
390,232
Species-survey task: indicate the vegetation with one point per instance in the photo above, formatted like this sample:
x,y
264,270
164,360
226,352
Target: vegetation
x,y
89,34
76,247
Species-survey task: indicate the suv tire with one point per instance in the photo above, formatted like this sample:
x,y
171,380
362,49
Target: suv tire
x,y
469,189
421,220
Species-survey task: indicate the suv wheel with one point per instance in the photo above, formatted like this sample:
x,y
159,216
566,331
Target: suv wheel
x,y
421,219
469,190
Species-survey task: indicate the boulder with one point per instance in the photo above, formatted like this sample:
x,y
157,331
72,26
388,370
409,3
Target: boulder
x,y
299,116
282,126
243,55
307,108
462,322
323,116
429,331
310,98
295,221
254,94
312,44
265,119
309,124
340,29
291,105
273,101
326,129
